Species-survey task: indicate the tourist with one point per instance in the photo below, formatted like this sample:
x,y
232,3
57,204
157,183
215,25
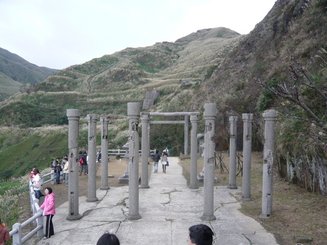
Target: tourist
x,y
83,163
166,150
36,183
98,156
57,171
108,239
200,235
49,210
156,159
164,161
65,170
53,163
4,233
31,175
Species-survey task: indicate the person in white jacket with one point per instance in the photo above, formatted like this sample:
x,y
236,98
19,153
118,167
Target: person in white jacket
x,y
65,170
36,183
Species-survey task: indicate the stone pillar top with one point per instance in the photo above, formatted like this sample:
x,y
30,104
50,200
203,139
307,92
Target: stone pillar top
x,y
73,113
145,117
232,121
270,114
210,110
247,116
145,113
92,117
194,117
133,109
233,118
104,117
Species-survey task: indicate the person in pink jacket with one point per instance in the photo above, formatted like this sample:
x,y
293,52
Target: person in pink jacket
x,y
49,210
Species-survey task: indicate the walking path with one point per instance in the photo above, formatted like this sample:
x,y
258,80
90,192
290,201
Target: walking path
x,y
167,208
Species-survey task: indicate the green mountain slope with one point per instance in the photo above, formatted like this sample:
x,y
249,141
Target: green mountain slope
x,y
293,31
211,65
106,84
22,149
8,86
15,71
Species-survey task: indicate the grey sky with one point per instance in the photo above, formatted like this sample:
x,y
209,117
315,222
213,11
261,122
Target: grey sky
x,y
61,33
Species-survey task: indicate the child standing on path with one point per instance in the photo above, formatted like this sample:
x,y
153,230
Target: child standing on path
x,y
49,210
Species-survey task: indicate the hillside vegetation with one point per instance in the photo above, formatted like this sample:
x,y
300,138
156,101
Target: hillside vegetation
x,y
18,74
281,64
113,80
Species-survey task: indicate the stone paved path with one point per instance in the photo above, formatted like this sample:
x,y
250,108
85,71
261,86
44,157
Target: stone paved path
x,y
167,208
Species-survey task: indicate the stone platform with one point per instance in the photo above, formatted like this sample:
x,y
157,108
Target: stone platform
x,y
167,208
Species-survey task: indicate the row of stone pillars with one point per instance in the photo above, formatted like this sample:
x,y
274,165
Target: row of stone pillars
x,y
133,112
269,118
73,158
247,150
145,121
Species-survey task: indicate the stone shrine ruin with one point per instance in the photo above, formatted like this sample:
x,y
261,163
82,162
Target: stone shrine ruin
x,y
135,116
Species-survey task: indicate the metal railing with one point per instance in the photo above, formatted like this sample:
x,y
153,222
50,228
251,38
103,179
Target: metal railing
x,y
16,233
122,152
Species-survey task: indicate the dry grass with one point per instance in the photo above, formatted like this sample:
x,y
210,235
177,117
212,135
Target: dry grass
x,y
296,213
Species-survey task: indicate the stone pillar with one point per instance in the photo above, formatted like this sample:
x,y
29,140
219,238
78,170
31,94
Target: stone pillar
x,y
91,163
269,116
133,113
210,112
194,147
186,133
104,153
73,180
247,151
145,149
232,152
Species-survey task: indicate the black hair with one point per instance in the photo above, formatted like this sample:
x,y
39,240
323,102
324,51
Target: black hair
x,y
49,189
108,239
201,234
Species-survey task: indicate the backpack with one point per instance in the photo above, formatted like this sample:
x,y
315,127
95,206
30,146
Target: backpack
x,y
81,160
157,157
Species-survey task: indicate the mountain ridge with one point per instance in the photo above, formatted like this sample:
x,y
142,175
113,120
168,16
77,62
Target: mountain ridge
x,y
17,72
211,65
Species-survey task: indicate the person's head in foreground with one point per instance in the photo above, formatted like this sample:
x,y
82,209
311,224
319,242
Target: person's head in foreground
x,y
108,239
200,235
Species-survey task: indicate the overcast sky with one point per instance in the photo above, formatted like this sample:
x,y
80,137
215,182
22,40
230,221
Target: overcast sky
x,y
61,33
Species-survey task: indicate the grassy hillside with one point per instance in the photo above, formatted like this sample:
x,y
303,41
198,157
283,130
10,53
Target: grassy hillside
x,y
106,84
8,86
23,149
16,72
293,31
210,65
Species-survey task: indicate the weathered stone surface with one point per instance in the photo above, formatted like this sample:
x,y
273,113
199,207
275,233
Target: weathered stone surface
x,y
167,208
